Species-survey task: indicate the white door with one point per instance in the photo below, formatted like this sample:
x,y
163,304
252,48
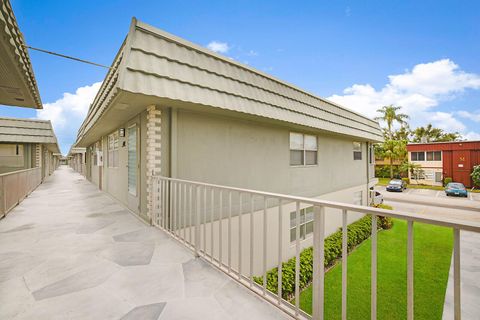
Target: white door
x,y
133,168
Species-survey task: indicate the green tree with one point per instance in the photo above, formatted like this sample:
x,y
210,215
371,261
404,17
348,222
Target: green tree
x,y
394,150
432,134
390,114
476,175
408,166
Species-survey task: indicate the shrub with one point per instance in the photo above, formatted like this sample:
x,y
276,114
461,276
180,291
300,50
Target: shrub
x,y
385,222
476,175
447,180
407,180
357,232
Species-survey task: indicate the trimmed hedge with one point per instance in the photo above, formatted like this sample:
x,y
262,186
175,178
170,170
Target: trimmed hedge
x,y
357,233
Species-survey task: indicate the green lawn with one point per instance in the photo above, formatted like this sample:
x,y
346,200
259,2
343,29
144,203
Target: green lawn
x,y
433,249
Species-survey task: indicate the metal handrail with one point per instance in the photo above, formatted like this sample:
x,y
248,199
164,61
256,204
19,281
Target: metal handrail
x,y
440,221
180,207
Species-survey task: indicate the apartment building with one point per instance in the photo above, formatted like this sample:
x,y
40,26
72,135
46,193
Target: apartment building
x,y
440,160
171,108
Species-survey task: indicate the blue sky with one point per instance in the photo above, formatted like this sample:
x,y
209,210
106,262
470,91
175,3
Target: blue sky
x,y
421,55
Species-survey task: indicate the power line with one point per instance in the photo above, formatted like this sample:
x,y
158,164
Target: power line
x,y
68,57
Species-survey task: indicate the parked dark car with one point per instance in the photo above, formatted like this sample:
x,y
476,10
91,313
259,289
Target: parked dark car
x,y
456,189
396,185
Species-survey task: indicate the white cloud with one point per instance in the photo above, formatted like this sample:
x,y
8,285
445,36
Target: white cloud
x,y
252,53
418,91
68,112
472,136
469,115
220,47
446,121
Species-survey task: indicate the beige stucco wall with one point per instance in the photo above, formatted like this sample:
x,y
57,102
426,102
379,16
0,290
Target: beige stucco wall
x,y
11,162
240,153
430,166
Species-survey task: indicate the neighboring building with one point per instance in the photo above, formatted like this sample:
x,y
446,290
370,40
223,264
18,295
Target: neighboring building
x,y
76,159
169,107
17,81
440,160
26,144
28,154
382,167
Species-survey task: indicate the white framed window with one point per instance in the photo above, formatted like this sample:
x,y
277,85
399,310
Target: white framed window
x,y
113,150
357,151
306,223
438,176
417,156
428,175
303,149
434,156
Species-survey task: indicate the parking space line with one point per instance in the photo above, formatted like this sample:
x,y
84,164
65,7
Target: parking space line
x,y
437,194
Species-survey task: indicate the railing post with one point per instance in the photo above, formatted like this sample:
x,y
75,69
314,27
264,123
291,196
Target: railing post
x,y
197,221
373,288
456,275
410,271
344,263
318,262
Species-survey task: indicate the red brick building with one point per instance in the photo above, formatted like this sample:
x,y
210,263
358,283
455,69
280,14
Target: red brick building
x,y
457,160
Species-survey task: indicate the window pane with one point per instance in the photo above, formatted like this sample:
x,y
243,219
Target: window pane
x,y
310,157
293,234
292,219
296,141
302,231
437,156
421,156
302,216
414,156
296,157
309,227
357,155
310,142
309,214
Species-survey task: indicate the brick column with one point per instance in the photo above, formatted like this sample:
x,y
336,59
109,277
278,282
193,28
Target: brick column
x,y
153,151
38,155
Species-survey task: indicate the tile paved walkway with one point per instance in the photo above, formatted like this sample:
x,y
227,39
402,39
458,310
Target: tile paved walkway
x,y
69,251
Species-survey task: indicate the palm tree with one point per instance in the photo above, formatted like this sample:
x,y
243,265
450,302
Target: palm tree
x,y
390,114
431,134
394,150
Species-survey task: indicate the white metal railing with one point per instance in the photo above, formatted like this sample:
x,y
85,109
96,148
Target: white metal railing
x,y
240,232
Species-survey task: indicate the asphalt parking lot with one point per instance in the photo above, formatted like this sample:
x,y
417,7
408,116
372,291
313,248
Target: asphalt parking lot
x,y
432,193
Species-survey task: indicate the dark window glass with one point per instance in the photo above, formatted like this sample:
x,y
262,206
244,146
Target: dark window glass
x,y
296,157
310,157
357,155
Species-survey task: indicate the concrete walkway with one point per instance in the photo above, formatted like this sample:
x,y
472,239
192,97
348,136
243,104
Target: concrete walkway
x,y
470,279
69,251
